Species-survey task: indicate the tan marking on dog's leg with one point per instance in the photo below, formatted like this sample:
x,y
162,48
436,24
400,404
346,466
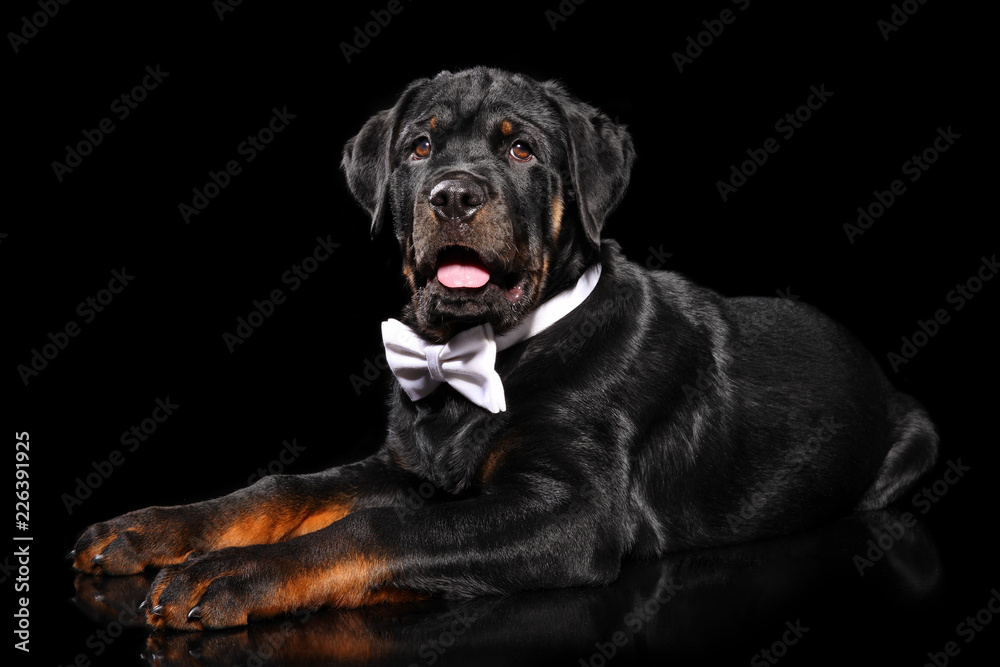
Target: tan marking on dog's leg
x,y
278,525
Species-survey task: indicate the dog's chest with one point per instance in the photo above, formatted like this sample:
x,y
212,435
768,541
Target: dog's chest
x,y
446,440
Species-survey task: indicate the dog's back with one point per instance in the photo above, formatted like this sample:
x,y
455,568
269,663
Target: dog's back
x,y
791,420
815,364
815,402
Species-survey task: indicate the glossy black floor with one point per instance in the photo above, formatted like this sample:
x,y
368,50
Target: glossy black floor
x,y
914,586
866,590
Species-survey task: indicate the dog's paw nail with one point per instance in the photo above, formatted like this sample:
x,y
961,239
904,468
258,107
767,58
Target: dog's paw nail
x,y
157,610
70,555
98,559
142,605
194,614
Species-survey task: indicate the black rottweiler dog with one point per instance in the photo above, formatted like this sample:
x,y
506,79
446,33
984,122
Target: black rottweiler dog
x,y
557,408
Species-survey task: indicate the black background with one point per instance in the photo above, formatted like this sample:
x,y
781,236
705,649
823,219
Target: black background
x,y
291,380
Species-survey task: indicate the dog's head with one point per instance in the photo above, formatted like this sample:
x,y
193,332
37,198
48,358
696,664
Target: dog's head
x,y
498,186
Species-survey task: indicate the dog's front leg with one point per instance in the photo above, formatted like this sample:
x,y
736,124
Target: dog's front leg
x,y
274,509
495,543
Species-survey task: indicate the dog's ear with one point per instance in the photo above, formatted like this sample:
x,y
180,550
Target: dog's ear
x,y
368,158
600,156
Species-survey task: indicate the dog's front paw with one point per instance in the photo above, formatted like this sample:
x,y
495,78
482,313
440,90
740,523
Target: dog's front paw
x,y
221,589
154,536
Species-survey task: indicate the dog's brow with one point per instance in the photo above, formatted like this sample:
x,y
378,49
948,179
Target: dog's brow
x,y
426,121
413,129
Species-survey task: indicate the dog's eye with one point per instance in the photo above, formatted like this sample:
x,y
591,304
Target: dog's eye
x,y
421,148
520,150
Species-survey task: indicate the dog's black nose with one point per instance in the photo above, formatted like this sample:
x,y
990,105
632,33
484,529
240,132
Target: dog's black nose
x,y
457,198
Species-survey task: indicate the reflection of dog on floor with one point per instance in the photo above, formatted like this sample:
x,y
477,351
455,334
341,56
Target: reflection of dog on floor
x,y
556,408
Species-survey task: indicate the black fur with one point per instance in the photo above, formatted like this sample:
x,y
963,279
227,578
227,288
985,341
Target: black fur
x,y
694,420
658,416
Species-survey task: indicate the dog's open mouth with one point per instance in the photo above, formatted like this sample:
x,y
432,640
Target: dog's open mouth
x,y
462,268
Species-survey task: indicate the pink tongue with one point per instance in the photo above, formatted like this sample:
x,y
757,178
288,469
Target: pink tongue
x,y
462,270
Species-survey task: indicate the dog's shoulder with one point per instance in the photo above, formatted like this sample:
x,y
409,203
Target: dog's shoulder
x,y
639,328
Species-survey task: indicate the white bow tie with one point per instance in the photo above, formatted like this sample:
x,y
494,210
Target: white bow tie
x,y
467,361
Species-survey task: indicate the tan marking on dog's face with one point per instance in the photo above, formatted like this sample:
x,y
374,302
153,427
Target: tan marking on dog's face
x,y
557,215
409,273
434,122
506,128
